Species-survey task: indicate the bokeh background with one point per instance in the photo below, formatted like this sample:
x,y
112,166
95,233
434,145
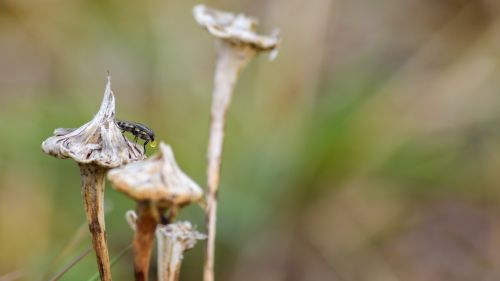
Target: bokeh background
x,y
368,150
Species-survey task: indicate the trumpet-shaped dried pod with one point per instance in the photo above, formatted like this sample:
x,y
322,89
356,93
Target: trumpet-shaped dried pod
x,y
236,29
156,184
237,43
98,142
96,146
158,179
173,240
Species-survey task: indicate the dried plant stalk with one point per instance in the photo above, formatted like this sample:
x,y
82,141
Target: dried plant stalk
x,y
92,177
229,64
147,219
237,44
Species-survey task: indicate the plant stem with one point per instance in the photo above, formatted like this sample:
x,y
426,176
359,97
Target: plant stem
x,y
230,61
169,258
93,198
113,261
148,218
173,240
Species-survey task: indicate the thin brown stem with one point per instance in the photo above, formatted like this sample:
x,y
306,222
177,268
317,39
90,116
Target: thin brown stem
x,y
231,59
93,198
147,219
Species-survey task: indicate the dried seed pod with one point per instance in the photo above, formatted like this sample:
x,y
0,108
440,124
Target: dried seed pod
x,y
99,142
237,44
158,179
173,240
96,146
156,184
237,29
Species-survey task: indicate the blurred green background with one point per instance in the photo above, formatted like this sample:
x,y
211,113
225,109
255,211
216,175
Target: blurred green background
x,y
369,150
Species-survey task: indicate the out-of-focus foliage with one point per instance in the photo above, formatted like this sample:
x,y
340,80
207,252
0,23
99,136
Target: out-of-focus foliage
x,y
369,150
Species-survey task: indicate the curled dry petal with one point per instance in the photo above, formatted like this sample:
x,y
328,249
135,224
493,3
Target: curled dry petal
x,y
182,232
158,179
235,28
131,218
99,141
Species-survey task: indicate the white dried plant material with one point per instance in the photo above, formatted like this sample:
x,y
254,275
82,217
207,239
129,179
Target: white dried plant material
x,y
182,232
99,141
131,218
158,179
173,240
237,29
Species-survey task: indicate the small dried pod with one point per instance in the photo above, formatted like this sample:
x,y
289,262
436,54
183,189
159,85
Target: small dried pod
x,y
237,43
158,178
173,240
156,184
96,146
237,29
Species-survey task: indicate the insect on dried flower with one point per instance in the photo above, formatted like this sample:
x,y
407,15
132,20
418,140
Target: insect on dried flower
x,y
96,146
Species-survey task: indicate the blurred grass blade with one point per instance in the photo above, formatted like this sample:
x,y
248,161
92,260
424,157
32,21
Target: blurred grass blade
x,y
77,238
95,277
71,264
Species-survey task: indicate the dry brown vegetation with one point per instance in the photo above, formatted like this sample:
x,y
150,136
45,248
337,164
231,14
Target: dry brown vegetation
x,y
366,151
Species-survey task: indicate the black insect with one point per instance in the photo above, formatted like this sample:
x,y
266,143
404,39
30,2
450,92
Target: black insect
x,y
139,131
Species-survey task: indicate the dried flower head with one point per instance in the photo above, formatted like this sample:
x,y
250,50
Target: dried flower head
x,y
96,146
237,43
182,232
156,184
99,141
158,179
237,29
